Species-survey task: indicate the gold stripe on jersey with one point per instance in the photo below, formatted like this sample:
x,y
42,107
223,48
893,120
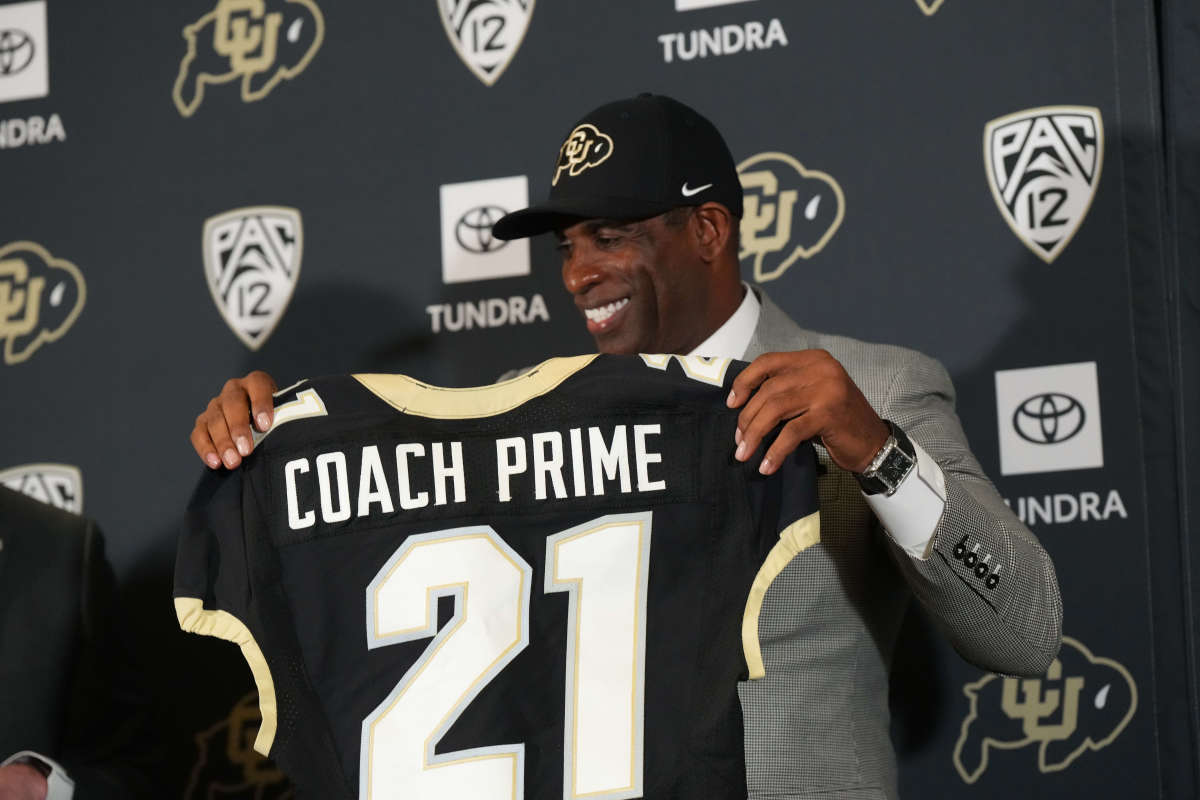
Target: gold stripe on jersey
x,y
194,618
796,538
437,402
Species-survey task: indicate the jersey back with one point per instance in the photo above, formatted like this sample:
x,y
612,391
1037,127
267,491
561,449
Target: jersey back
x,y
543,588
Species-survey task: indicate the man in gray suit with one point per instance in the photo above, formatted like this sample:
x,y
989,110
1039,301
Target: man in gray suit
x,y
645,202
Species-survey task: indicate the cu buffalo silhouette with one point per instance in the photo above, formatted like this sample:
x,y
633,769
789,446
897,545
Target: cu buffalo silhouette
x,y
40,298
260,41
1083,703
227,765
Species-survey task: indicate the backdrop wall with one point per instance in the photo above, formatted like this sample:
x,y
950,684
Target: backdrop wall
x,y
196,189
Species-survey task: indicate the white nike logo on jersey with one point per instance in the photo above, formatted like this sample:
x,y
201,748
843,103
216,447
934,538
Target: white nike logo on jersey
x,y
689,192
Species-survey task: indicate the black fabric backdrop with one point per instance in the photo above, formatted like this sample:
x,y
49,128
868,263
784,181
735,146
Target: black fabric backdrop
x,y
376,116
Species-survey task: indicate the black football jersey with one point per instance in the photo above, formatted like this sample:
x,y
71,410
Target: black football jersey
x,y
544,588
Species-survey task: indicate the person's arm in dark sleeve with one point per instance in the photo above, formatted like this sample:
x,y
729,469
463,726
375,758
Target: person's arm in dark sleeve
x,y
112,747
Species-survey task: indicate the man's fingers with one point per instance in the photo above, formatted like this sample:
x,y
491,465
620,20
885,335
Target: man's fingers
x,y
776,389
750,378
766,366
202,444
789,438
218,432
234,406
261,389
768,413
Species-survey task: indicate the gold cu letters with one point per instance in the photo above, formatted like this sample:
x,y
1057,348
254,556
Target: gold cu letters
x,y
1036,706
20,299
236,40
585,147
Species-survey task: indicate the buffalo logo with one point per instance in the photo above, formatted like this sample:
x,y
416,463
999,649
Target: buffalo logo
x,y
40,298
1049,418
930,7
59,485
486,33
260,41
16,51
790,212
474,229
1043,166
586,147
1082,704
252,261
227,765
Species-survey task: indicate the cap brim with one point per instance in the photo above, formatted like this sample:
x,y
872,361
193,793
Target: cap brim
x,y
565,212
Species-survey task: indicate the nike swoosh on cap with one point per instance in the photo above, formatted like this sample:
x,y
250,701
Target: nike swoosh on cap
x,y
688,192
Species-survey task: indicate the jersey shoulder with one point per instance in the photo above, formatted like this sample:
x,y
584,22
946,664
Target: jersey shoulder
x,y
658,377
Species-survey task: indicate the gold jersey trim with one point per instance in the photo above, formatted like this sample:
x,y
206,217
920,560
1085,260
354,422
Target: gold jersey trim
x,y
194,618
796,538
424,400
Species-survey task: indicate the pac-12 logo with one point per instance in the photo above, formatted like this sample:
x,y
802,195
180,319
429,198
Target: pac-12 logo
x,y
791,212
262,42
1043,166
486,34
251,263
1083,703
40,298
59,485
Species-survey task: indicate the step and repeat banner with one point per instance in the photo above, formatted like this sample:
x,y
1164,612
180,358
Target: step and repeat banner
x,y
195,189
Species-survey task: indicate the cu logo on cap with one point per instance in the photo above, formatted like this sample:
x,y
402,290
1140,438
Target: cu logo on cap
x,y
474,229
1049,418
587,146
16,51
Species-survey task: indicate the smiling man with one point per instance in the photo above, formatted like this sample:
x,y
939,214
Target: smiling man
x,y
645,202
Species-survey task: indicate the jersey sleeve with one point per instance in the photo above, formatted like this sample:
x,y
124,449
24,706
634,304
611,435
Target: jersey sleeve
x,y
212,582
795,514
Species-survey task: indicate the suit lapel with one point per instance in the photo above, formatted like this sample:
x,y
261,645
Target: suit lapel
x,y
775,330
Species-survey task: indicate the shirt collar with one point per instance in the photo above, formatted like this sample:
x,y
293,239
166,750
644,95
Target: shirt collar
x,y
731,339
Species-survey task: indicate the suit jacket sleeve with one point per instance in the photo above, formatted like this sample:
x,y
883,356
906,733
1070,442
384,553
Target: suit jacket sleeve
x,y
111,746
987,581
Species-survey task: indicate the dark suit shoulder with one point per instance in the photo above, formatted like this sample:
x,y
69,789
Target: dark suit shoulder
x,y
30,527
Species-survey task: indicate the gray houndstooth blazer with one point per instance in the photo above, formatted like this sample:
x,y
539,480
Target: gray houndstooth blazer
x,y
817,724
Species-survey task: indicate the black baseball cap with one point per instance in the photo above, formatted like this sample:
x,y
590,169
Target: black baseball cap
x,y
632,159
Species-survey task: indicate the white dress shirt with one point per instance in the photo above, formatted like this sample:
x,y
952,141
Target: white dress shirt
x,y
911,514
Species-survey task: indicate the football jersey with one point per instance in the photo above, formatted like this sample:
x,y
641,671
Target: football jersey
x,y
543,588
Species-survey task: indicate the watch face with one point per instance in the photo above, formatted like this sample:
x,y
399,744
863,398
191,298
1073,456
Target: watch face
x,y
895,467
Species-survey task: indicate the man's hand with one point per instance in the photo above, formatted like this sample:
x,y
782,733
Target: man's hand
x,y
224,427
22,782
812,392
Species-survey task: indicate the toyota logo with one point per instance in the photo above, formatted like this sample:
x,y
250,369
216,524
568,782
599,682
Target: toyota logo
x,y
1049,418
16,51
474,229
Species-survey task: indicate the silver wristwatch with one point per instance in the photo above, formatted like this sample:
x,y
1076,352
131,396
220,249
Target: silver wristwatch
x,y
891,464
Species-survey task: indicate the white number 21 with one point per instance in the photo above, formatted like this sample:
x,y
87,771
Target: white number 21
x,y
603,565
